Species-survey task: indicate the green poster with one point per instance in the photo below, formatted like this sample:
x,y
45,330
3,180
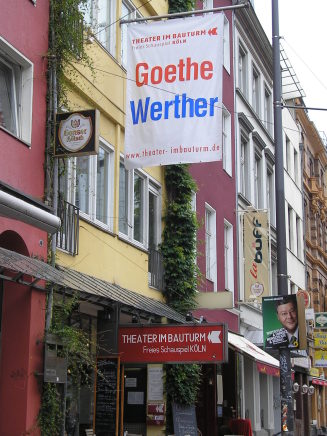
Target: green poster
x,y
280,322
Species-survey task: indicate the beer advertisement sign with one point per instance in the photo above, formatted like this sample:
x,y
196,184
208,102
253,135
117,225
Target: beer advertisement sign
x,y
77,133
256,255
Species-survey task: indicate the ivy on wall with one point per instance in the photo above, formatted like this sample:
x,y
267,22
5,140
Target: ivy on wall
x,y
179,257
179,239
80,365
66,39
180,5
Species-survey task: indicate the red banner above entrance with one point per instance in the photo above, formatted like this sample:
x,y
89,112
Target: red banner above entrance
x,y
206,343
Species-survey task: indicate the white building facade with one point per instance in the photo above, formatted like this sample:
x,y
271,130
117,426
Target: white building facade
x,y
255,191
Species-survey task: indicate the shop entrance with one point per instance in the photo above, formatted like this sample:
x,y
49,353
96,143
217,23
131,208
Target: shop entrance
x,y
135,390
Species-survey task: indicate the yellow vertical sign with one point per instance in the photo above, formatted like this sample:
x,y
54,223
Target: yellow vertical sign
x,y
256,255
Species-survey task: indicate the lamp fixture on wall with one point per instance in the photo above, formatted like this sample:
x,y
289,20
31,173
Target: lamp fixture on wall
x,y
311,390
296,387
305,389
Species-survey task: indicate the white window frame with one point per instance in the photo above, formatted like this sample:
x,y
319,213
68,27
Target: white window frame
x,y
299,238
256,90
242,69
227,141
244,165
228,256
70,181
211,244
226,45
133,13
270,194
154,189
288,154
290,228
296,166
207,4
22,76
257,181
104,32
148,185
268,109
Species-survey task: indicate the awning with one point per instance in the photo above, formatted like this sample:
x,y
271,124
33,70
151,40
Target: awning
x,y
319,381
265,362
18,206
32,272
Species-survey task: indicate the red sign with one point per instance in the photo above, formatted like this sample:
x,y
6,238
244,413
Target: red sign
x,y
268,369
155,419
306,297
156,409
173,343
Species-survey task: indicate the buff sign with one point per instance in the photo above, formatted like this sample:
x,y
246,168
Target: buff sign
x,y
256,258
174,89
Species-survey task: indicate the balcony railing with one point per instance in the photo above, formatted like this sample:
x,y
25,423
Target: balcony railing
x,y
156,269
68,235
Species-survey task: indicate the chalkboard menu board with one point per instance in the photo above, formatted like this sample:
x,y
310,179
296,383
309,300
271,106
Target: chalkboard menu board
x,y
184,419
107,397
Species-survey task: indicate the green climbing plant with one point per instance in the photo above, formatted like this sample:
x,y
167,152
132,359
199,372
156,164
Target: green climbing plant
x,y
179,257
66,40
50,415
75,347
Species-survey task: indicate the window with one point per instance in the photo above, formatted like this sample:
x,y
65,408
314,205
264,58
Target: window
x,y
242,69
322,181
292,288
128,11
16,92
257,182
311,167
256,91
154,217
101,16
123,199
244,166
288,155
228,256
296,166
139,208
89,181
290,228
227,142
210,244
226,45
267,110
208,4
298,237
270,195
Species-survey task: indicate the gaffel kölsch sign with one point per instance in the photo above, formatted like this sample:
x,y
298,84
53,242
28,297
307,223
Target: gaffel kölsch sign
x,y
77,133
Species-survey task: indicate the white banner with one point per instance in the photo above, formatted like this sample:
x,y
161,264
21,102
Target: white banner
x,y
174,92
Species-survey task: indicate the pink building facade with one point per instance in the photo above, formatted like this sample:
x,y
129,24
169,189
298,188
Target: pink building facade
x,y
217,247
23,214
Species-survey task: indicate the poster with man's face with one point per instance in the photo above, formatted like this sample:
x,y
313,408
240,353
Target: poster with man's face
x,y
280,322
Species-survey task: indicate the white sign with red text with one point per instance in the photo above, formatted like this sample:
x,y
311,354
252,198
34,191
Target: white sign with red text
x,y
174,92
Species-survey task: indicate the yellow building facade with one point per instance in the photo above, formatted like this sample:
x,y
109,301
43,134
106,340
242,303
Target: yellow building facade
x,y
106,248
119,212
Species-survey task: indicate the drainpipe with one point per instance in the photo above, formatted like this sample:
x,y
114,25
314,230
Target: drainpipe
x,y
52,109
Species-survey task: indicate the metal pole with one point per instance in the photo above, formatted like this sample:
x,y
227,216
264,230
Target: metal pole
x,y
286,394
185,14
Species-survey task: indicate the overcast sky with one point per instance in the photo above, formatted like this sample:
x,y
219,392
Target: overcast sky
x,y
303,25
